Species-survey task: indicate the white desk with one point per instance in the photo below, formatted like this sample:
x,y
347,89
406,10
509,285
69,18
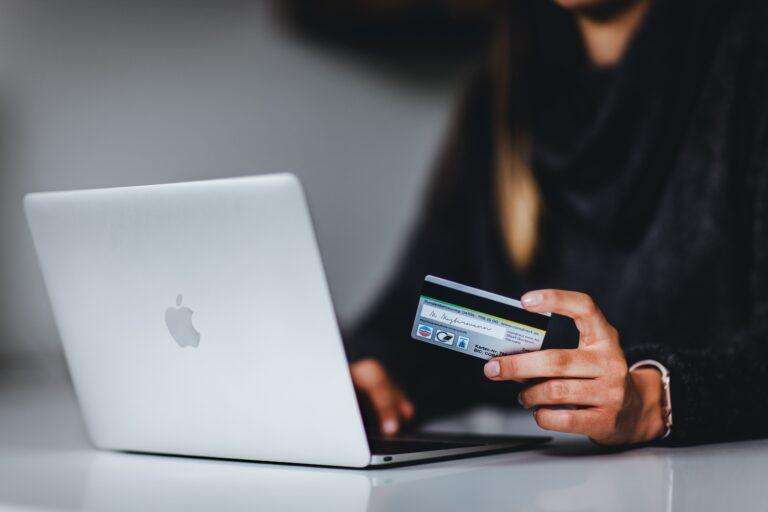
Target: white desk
x,y
46,463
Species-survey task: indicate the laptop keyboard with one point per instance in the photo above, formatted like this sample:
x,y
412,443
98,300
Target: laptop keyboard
x,y
382,446
427,441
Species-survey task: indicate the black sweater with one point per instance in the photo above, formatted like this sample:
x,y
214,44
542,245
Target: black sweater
x,y
688,286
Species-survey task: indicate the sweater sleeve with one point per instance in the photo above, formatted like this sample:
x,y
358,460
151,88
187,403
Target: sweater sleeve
x,y
437,381
721,394
439,245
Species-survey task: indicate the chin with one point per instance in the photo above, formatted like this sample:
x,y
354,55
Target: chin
x,y
594,5
574,5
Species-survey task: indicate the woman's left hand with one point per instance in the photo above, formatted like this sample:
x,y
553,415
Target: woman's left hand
x,y
614,406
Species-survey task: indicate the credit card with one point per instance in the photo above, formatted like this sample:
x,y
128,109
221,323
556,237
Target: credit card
x,y
476,322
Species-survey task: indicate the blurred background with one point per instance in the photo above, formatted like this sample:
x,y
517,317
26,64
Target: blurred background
x,y
353,96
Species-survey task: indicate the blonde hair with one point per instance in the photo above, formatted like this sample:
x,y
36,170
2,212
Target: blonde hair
x,y
517,194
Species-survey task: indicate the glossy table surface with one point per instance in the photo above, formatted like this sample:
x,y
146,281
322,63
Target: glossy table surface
x,y
46,463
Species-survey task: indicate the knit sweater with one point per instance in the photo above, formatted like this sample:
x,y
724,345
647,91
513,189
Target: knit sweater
x,y
689,288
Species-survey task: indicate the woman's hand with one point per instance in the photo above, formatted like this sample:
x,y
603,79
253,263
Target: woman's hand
x,y
613,406
390,405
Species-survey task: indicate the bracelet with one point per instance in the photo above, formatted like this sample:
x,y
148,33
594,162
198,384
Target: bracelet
x,y
666,405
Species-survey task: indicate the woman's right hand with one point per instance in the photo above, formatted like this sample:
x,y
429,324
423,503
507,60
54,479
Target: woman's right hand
x,y
390,405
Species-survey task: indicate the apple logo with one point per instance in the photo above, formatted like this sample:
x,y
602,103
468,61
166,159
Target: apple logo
x,y
179,323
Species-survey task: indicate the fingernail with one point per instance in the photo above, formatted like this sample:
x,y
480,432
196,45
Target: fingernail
x,y
492,369
389,426
531,299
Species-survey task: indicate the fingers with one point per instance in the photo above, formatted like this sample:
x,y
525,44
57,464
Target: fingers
x,y
564,391
389,403
590,321
590,421
544,363
387,407
407,410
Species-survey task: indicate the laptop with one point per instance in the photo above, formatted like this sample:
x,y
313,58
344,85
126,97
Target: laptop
x,y
196,320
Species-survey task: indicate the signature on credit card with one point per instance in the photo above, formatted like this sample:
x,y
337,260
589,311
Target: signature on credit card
x,y
474,321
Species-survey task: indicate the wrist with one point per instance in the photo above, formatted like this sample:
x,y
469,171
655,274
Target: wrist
x,y
650,422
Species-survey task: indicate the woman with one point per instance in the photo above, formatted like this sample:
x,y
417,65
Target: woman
x,y
610,161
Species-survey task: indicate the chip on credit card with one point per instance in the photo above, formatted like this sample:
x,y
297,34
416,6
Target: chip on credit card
x,y
480,323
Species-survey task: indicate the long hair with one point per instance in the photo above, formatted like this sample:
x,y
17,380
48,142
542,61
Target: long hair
x,y
516,192
490,130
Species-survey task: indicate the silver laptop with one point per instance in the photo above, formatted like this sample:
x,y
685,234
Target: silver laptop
x,y
196,320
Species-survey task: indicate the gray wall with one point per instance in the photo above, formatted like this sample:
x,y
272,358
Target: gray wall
x,y
98,94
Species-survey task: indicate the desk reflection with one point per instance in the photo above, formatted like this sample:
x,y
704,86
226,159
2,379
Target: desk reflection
x,y
46,463
117,481
554,479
